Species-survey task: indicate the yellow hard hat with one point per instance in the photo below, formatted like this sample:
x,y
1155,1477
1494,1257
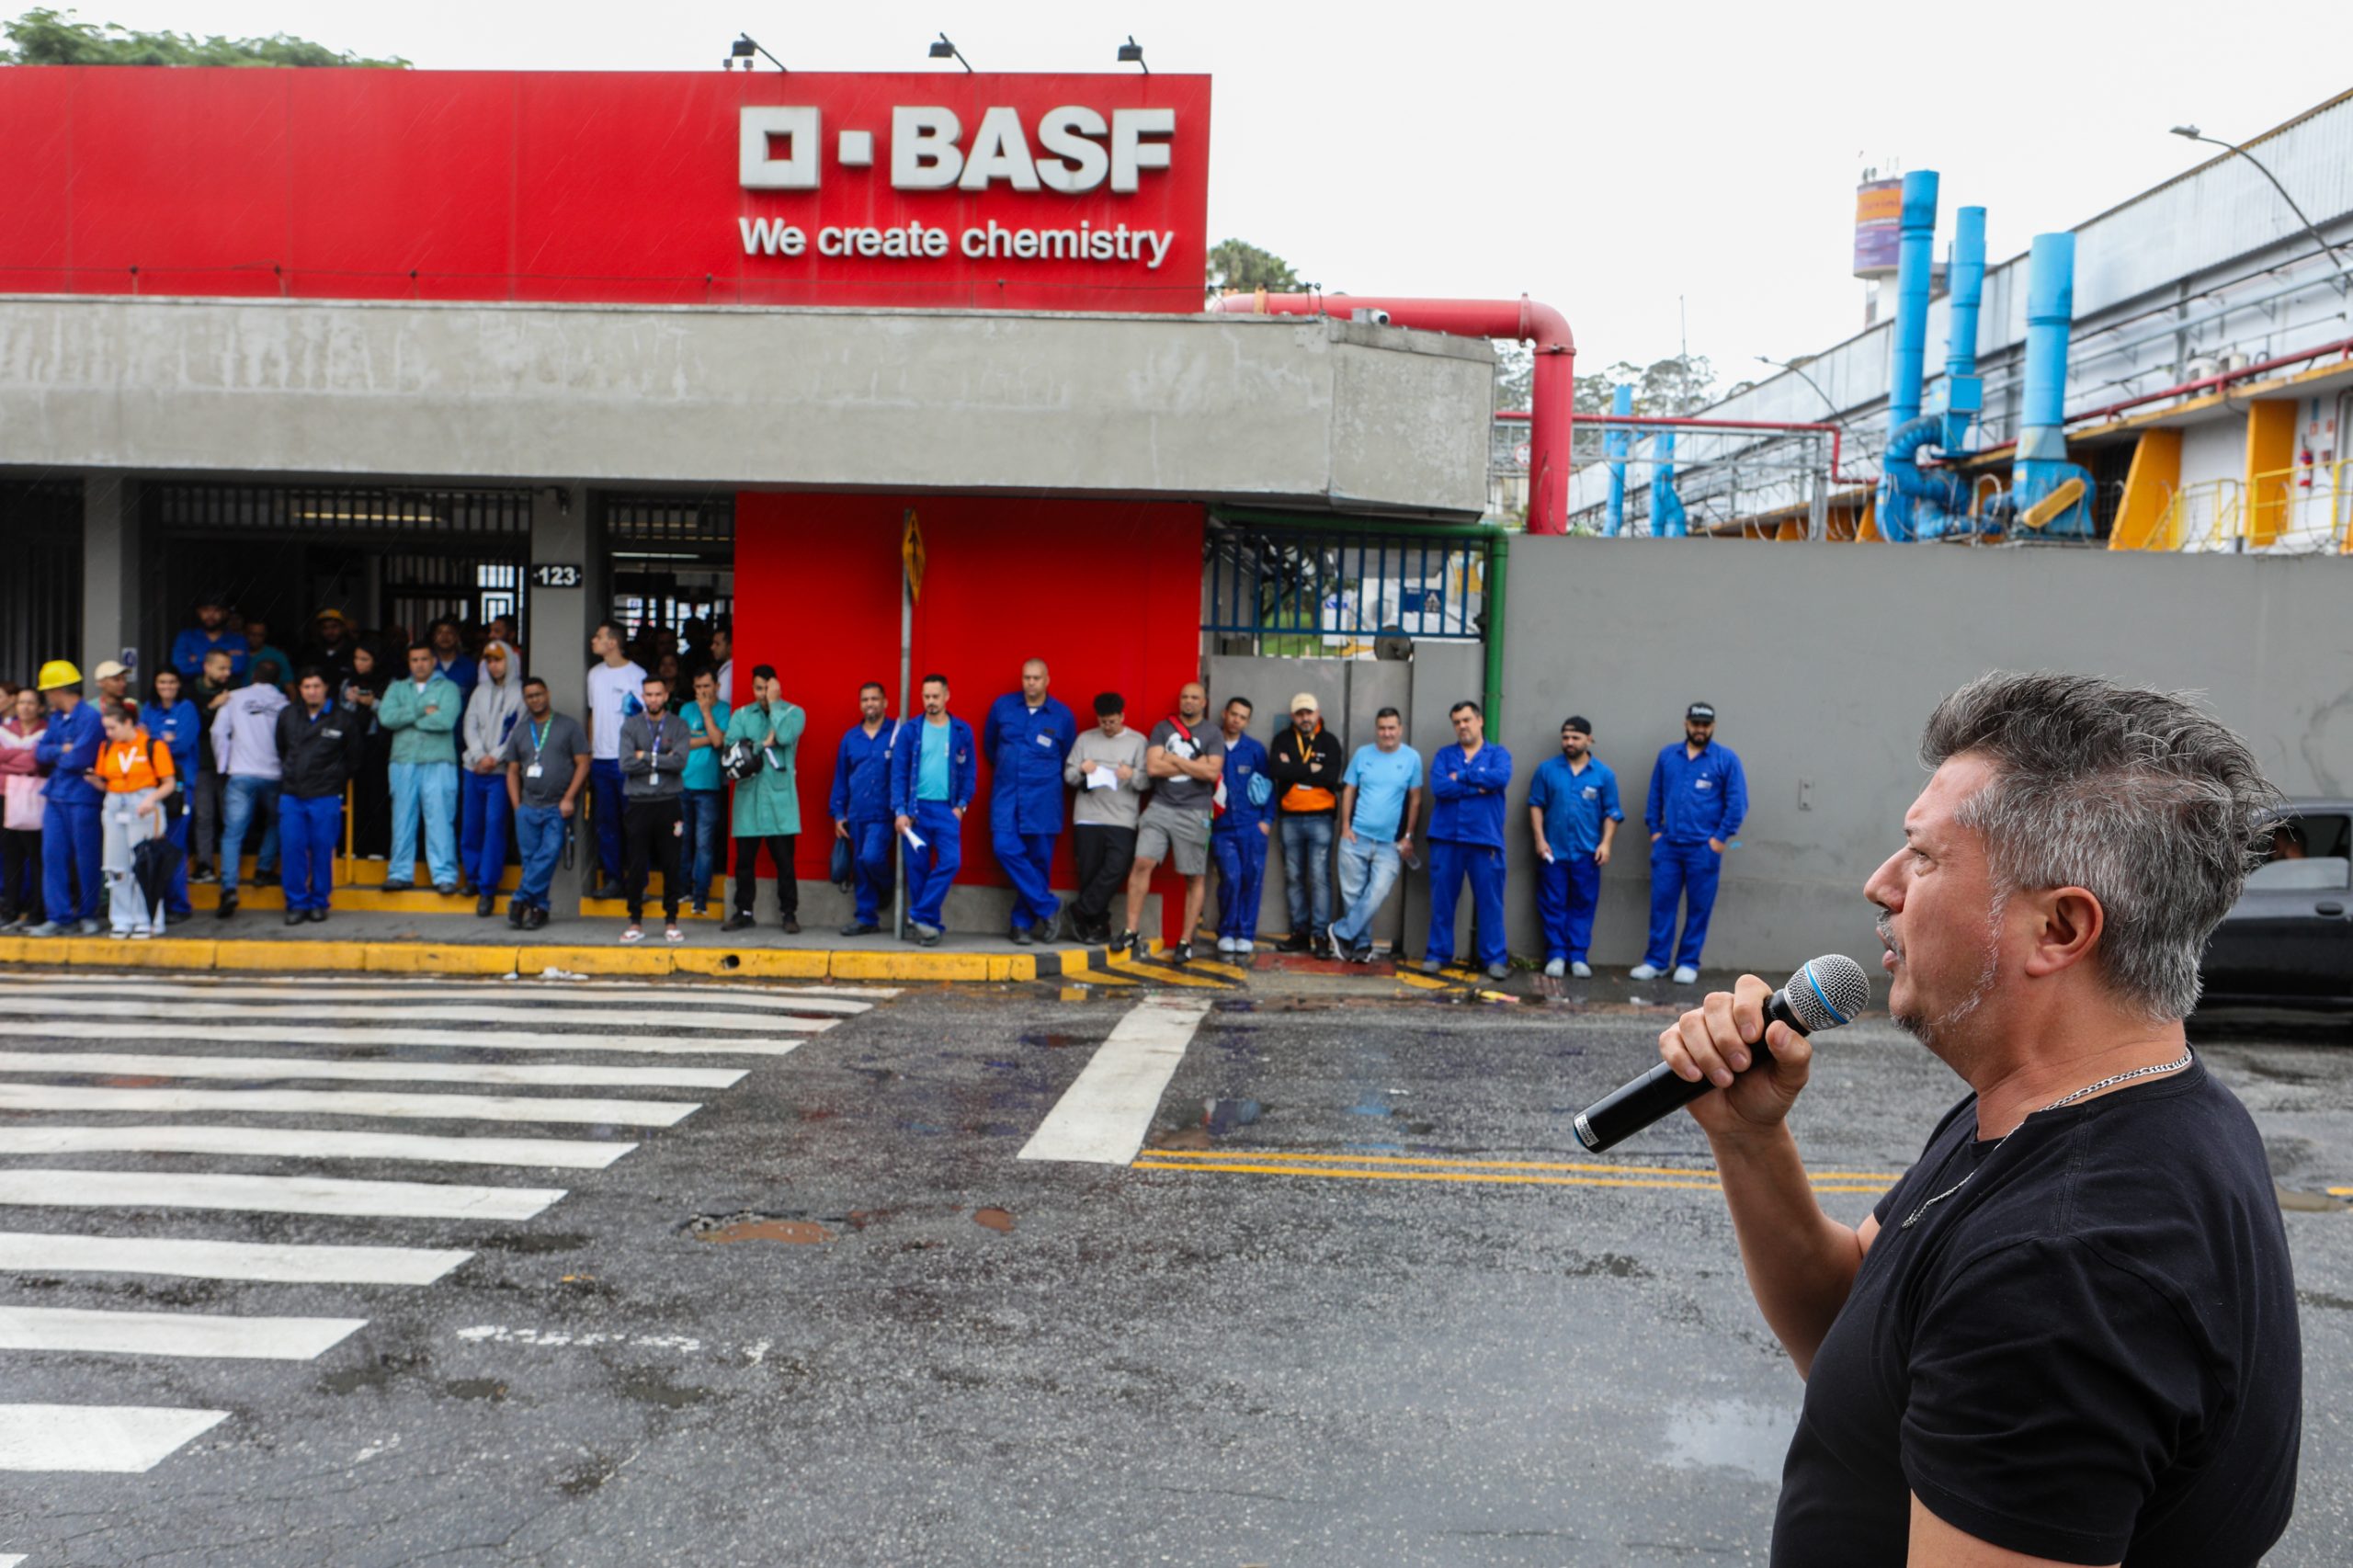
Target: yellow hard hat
x,y
58,672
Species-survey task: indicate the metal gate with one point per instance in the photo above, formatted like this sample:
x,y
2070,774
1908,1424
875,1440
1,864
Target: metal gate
x,y
41,589
1325,591
673,564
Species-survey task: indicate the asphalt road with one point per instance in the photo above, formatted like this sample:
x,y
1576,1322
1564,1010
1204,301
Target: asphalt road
x,y
1359,1300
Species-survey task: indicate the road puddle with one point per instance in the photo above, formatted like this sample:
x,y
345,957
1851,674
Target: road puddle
x,y
727,1231
1219,1119
1730,1433
997,1219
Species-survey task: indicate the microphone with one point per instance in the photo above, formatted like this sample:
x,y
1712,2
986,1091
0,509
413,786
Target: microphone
x,y
1821,995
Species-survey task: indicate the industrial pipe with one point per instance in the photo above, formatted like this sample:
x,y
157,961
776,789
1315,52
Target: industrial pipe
x,y
1668,520
1934,506
1785,427
1553,407
1617,444
2183,389
1915,272
2041,469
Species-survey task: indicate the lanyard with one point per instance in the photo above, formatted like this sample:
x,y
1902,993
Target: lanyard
x,y
538,736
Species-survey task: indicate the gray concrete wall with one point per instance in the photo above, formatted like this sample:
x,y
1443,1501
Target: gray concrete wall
x,y
1264,410
1824,661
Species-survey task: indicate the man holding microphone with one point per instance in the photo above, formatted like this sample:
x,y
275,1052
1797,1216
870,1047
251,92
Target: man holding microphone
x,y
2069,1334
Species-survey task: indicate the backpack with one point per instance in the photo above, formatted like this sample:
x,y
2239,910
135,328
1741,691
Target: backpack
x,y
176,802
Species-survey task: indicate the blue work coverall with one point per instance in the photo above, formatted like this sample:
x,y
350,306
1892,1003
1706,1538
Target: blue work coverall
x,y
1574,803
69,844
179,729
1693,800
1466,838
1025,748
191,646
931,870
862,798
1238,839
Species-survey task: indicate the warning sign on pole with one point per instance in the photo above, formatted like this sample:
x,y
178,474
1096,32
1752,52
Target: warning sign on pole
x,y
911,553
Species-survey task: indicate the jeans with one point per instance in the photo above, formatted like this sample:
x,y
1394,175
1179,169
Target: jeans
x,y
932,868
1567,891
20,874
482,834
651,829
1104,854
747,875
69,860
1307,871
606,797
1368,870
308,826
1678,871
244,800
871,861
705,849
1027,859
430,788
1241,877
1450,861
128,908
540,830
204,816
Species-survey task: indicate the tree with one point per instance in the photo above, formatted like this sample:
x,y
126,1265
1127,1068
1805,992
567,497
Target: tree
x,y
1670,387
1515,375
44,36
1239,267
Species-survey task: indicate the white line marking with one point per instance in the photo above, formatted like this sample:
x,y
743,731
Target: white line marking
x,y
271,1195
10,1561
1103,1115
34,1252
261,1068
764,1003
351,1102
123,1439
172,1334
304,1144
27,1015
439,1040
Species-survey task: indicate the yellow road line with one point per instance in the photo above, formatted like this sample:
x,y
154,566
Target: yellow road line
x,y
2341,1192
1424,982
1164,974
1694,1171
1154,1164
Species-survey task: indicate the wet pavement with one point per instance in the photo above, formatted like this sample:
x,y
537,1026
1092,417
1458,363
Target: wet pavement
x,y
1360,1297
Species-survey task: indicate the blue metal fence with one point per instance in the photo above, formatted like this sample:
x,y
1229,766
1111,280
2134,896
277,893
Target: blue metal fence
x,y
1341,589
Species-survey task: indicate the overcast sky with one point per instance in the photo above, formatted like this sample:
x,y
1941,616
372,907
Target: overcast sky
x,y
1609,160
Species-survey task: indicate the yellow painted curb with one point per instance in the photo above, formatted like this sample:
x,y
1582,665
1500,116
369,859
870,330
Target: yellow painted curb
x,y
761,964
235,955
914,966
615,959
435,958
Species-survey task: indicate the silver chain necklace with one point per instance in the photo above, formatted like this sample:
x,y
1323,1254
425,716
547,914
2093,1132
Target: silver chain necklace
x,y
1913,1218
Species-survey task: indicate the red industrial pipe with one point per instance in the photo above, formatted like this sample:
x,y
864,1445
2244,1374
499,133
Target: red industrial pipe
x,y
2343,346
1554,394
1644,421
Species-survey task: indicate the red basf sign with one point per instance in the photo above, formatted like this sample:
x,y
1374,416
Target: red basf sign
x,y
919,189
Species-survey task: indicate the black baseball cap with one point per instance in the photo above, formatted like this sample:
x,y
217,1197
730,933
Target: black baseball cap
x,y
1577,721
1701,713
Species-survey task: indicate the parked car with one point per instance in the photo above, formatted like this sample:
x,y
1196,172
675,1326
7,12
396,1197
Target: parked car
x,y
2288,940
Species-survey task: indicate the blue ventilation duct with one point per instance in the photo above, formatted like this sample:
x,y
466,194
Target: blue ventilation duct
x,y
1667,517
1939,503
1907,359
1617,443
2046,492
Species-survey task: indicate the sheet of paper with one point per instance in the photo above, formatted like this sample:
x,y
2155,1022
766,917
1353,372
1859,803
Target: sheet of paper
x,y
914,839
1103,778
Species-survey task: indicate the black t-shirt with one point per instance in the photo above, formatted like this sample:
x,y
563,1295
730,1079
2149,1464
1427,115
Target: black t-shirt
x,y
2088,1354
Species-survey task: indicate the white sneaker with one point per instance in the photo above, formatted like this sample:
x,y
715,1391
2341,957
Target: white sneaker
x,y
1556,967
1641,971
1582,969
1684,974
1225,944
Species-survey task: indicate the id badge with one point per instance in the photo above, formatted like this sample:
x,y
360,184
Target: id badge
x,y
534,772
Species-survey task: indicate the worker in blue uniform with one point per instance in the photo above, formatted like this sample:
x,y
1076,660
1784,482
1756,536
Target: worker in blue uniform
x,y
1027,737
1699,796
1239,836
860,806
1466,838
1572,815
68,752
934,773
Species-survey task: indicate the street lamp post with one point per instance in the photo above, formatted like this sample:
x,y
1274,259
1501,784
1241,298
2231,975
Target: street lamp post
x,y
2327,251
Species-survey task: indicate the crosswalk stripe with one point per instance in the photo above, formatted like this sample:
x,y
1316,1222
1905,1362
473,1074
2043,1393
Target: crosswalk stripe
x,y
304,1144
123,1439
254,1068
351,1102
277,1263
1104,1115
271,1195
28,1013
173,1333
443,1040
512,991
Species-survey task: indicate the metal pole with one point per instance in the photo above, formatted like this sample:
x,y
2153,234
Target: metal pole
x,y
906,672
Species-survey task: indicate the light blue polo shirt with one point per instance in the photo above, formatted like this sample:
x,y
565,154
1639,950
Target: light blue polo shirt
x,y
1382,778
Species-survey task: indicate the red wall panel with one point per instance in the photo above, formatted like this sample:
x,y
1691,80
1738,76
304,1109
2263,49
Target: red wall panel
x,y
613,187
1107,593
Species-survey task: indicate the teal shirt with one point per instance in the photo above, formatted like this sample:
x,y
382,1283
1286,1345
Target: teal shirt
x,y
1383,780
701,771
931,763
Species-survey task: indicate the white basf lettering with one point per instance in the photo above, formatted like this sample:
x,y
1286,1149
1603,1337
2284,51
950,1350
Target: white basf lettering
x,y
760,126
771,236
1073,162
1000,151
924,155
1130,151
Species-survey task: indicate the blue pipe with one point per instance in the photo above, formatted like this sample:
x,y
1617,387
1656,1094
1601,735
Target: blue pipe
x,y
1914,504
1915,268
1968,285
1617,444
1668,519
2042,465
